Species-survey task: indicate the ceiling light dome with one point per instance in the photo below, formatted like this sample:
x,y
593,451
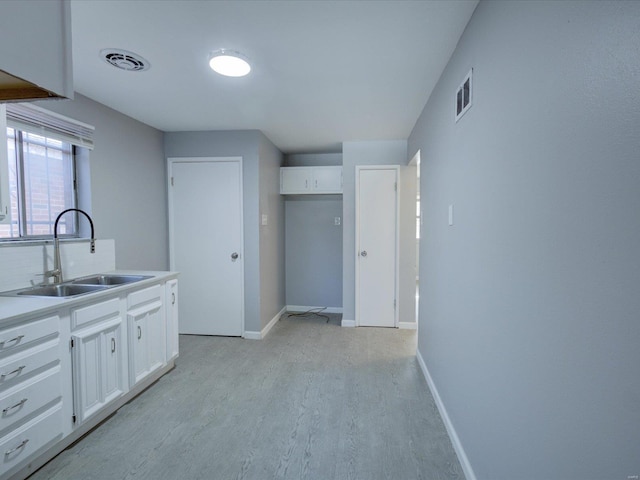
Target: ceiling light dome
x,y
229,63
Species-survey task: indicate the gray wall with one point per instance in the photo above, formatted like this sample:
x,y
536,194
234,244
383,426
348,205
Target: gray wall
x,y
388,152
127,167
272,253
313,242
529,303
314,251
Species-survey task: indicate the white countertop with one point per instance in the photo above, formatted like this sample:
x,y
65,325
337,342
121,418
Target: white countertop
x,y
13,308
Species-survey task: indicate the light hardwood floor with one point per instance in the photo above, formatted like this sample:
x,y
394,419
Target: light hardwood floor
x,y
311,401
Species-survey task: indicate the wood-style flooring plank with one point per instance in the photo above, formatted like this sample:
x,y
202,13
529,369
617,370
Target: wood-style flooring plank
x,y
311,401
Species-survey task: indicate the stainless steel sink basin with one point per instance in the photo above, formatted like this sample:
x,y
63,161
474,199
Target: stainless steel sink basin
x,y
64,290
109,280
79,286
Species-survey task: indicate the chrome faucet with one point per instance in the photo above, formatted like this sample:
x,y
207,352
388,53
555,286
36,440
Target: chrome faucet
x,y
56,273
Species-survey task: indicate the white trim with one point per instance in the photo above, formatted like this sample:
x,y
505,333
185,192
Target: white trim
x,y
348,323
300,308
396,168
239,160
457,445
407,325
251,335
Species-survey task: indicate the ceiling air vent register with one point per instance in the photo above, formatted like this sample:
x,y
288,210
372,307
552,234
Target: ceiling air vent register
x,y
464,96
124,60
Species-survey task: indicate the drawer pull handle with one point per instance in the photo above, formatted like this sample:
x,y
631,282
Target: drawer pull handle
x,y
19,404
22,444
113,345
139,333
16,371
3,344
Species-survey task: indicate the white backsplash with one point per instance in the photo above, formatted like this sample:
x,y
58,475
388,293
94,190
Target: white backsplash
x,y
23,265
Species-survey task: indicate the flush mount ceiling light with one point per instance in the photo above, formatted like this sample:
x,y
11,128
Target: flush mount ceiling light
x,y
124,60
229,63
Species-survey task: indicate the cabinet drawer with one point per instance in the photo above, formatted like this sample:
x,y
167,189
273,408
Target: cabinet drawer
x,y
93,313
30,396
20,365
20,444
144,296
15,337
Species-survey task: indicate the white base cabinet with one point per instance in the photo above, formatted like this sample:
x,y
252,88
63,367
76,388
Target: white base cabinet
x,y
31,389
64,372
98,356
171,312
147,337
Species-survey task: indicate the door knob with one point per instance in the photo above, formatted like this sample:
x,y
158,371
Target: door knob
x,y
363,253
234,256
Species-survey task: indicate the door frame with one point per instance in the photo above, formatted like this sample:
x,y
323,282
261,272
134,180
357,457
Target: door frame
x,y
396,169
170,162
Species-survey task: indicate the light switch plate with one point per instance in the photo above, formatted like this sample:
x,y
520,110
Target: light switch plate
x,y
336,220
264,219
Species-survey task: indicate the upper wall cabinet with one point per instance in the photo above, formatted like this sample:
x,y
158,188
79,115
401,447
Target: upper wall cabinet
x,y
35,50
310,180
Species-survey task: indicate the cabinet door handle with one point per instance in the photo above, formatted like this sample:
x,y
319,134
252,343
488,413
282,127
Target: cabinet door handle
x,y
306,184
20,445
16,371
139,333
113,345
19,404
173,299
16,341
316,183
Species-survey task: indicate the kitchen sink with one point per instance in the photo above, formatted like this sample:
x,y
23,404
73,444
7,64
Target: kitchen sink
x,y
63,290
79,286
109,280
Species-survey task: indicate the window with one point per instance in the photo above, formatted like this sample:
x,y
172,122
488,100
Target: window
x,y
42,182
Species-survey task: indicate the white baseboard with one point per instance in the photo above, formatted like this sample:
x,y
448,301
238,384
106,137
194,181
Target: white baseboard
x,y
407,325
457,446
249,335
300,308
348,323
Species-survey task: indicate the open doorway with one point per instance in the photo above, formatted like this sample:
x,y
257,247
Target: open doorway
x,y
415,161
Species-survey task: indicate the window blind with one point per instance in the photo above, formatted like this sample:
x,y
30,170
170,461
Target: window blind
x,y
34,119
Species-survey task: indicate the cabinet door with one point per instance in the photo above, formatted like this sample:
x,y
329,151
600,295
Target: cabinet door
x,y
295,180
171,312
97,367
327,179
114,356
156,338
147,341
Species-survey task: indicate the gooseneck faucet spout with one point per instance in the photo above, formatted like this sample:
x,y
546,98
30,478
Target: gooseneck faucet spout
x,y
56,273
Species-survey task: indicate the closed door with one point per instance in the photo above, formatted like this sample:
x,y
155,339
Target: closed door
x,y
206,244
376,243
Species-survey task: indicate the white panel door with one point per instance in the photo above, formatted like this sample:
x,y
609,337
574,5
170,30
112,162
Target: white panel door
x,y
206,244
376,243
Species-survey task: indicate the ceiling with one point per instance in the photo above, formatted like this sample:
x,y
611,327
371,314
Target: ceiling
x,y
323,72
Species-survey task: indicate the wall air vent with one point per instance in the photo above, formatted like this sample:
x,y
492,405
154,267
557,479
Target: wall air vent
x,y
464,96
124,60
